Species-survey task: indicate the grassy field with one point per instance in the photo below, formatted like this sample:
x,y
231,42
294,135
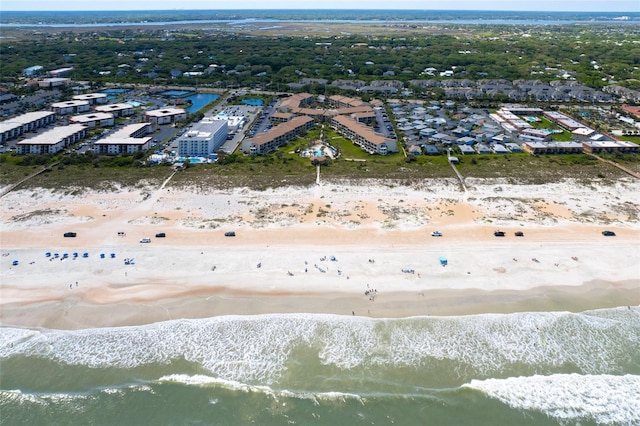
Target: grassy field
x,y
288,168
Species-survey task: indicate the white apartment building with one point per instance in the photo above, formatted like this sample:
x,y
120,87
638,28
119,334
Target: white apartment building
x,y
203,138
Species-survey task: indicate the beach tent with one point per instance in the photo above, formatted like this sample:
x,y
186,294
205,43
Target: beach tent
x,y
443,261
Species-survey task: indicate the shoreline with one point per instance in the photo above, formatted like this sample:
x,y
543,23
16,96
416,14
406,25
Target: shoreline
x,y
74,313
281,257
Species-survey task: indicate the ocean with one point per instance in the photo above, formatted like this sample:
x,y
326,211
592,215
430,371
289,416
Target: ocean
x,y
536,368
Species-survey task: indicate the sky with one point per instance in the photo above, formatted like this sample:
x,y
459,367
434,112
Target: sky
x,y
509,5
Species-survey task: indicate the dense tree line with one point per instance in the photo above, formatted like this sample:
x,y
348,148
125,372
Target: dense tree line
x,y
594,55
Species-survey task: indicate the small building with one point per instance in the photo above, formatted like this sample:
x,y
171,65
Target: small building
x,y
414,150
428,132
60,72
483,149
499,149
32,71
466,140
52,141
513,147
47,83
118,110
431,150
93,120
70,107
501,138
466,150
459,132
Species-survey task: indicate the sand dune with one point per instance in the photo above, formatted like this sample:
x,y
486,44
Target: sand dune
x,y
374,230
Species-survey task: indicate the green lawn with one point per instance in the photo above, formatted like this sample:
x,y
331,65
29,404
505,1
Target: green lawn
x,y
546,124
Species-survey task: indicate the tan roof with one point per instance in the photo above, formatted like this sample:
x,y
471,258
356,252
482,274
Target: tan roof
x,y
361,130
280,130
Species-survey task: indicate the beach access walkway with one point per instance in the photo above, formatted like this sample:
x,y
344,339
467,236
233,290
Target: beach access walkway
x,y
21,181
613,163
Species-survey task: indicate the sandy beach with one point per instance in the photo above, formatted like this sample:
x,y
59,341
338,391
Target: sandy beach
x,y
341,247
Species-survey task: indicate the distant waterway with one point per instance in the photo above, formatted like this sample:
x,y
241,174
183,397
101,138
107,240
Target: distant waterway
x,y
77,19
199,101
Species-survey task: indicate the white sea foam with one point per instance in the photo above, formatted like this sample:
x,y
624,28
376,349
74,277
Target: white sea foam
x,y
203,380
603,399
258,349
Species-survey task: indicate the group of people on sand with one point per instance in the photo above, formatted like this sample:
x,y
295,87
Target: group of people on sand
x,y
371,293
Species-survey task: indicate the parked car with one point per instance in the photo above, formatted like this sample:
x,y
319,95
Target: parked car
x,y
230,234
145,240
70,234
608,233
161,235
436,234
519,234
499,234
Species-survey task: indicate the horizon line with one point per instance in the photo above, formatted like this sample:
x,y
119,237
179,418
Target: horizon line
x,y
323,9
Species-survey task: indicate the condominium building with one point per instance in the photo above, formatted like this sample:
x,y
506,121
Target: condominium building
x,y
52,141
165,115
15,127
363,136
128,140
277,136
70,107
203,138
96,119
118,110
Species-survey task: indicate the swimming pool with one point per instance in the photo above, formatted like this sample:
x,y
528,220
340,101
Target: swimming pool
x,y
176,93
114,91
253,102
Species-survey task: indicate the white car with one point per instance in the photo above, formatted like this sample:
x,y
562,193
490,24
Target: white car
x,y
436,234
145,240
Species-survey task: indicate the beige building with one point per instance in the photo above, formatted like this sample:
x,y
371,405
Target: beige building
x,y
15,127
270,140
118,110
363,136
70,107
53,141
128,140
93,120
92,98
165,115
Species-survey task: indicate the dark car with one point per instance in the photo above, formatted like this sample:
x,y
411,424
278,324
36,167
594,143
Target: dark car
x,y
498,234
70,234
161,235
519,234
230,234
608,233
